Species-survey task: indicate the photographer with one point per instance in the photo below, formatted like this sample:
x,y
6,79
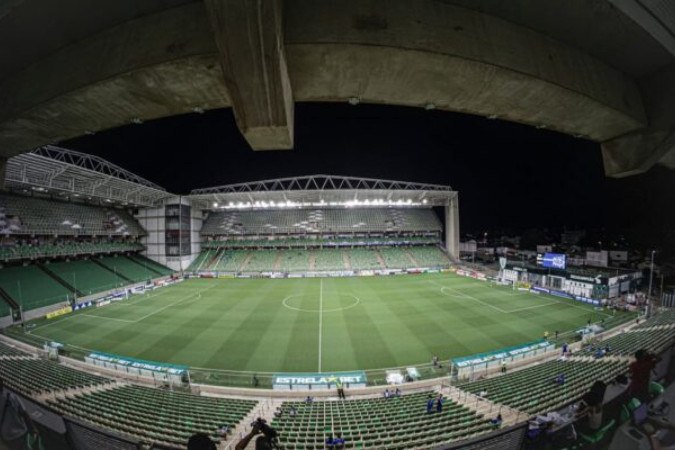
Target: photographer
x,y
267,441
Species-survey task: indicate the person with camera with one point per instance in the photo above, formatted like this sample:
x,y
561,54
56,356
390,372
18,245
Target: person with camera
x,y
640,374
267,441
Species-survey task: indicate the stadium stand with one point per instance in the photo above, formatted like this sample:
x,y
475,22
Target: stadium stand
x,y
155,416
35,216
86,276
329,259
395,258
628,343
36,376
230,261
429,256
157,268
318,241
534,389
666,317
127,268
363,259
6,350
294,261
32,287
392,423
19,251
262,260
320,221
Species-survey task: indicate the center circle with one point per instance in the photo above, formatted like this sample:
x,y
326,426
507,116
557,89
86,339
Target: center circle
x,y
287,303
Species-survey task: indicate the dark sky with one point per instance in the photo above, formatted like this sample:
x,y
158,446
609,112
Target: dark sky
x,y
508,175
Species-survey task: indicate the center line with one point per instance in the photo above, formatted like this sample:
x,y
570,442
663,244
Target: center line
x,y
320,317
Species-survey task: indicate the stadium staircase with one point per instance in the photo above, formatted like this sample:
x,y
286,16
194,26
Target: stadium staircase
x,y
346,260
114,272
214,259
59,280
380,259
411,258
312,261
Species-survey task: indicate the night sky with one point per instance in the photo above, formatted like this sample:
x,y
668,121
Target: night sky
x,y
510,176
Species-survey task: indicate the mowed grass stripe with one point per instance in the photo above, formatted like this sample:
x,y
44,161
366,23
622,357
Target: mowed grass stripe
x,y
242,324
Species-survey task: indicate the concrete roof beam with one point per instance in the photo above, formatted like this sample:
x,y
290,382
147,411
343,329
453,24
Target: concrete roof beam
x,y
250,40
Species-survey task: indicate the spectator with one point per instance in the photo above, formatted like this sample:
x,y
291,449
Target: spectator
x,y
292,412
560,379
340,388
398,392
200,441
255,380
430,404
223,430
497,421
386,393
339,442
439,403
309,399
503,366
640,371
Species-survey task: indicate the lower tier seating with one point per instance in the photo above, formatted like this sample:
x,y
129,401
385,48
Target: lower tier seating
x,y
155,416
392,423
31,287
6,350
37,376
628,343
535,390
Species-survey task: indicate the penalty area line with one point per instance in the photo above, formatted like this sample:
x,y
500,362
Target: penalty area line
x,y
320,318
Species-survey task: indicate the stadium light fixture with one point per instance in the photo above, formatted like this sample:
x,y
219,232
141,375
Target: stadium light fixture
x,y
354,101
215,204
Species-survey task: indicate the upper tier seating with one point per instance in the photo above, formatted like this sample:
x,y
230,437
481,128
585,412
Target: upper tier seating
x,y
50,250
533,389
155,416
36,376
301,221
393,423
303,241
35,216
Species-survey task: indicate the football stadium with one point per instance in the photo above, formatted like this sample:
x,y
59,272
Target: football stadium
x,y
328,310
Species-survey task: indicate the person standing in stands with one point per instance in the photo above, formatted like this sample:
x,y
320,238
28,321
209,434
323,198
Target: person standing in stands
x,y
430,404
640,371
340,388
439,403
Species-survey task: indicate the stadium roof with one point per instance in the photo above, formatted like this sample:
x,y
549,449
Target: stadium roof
x,y
57,170
322,191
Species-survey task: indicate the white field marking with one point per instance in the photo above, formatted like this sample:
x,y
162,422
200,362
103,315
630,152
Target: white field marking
x,y
284,302
320,318
123,320
462,294
107,318
553,302
173,304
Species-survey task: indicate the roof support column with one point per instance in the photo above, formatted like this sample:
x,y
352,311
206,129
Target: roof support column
x,y
452,228
250,41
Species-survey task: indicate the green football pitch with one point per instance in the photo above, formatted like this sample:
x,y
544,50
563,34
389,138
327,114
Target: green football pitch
x,y
315,324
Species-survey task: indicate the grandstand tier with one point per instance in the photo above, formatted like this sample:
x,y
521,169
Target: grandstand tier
x,y
155,416
535,390
319,259
303,221
37,216
394,422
